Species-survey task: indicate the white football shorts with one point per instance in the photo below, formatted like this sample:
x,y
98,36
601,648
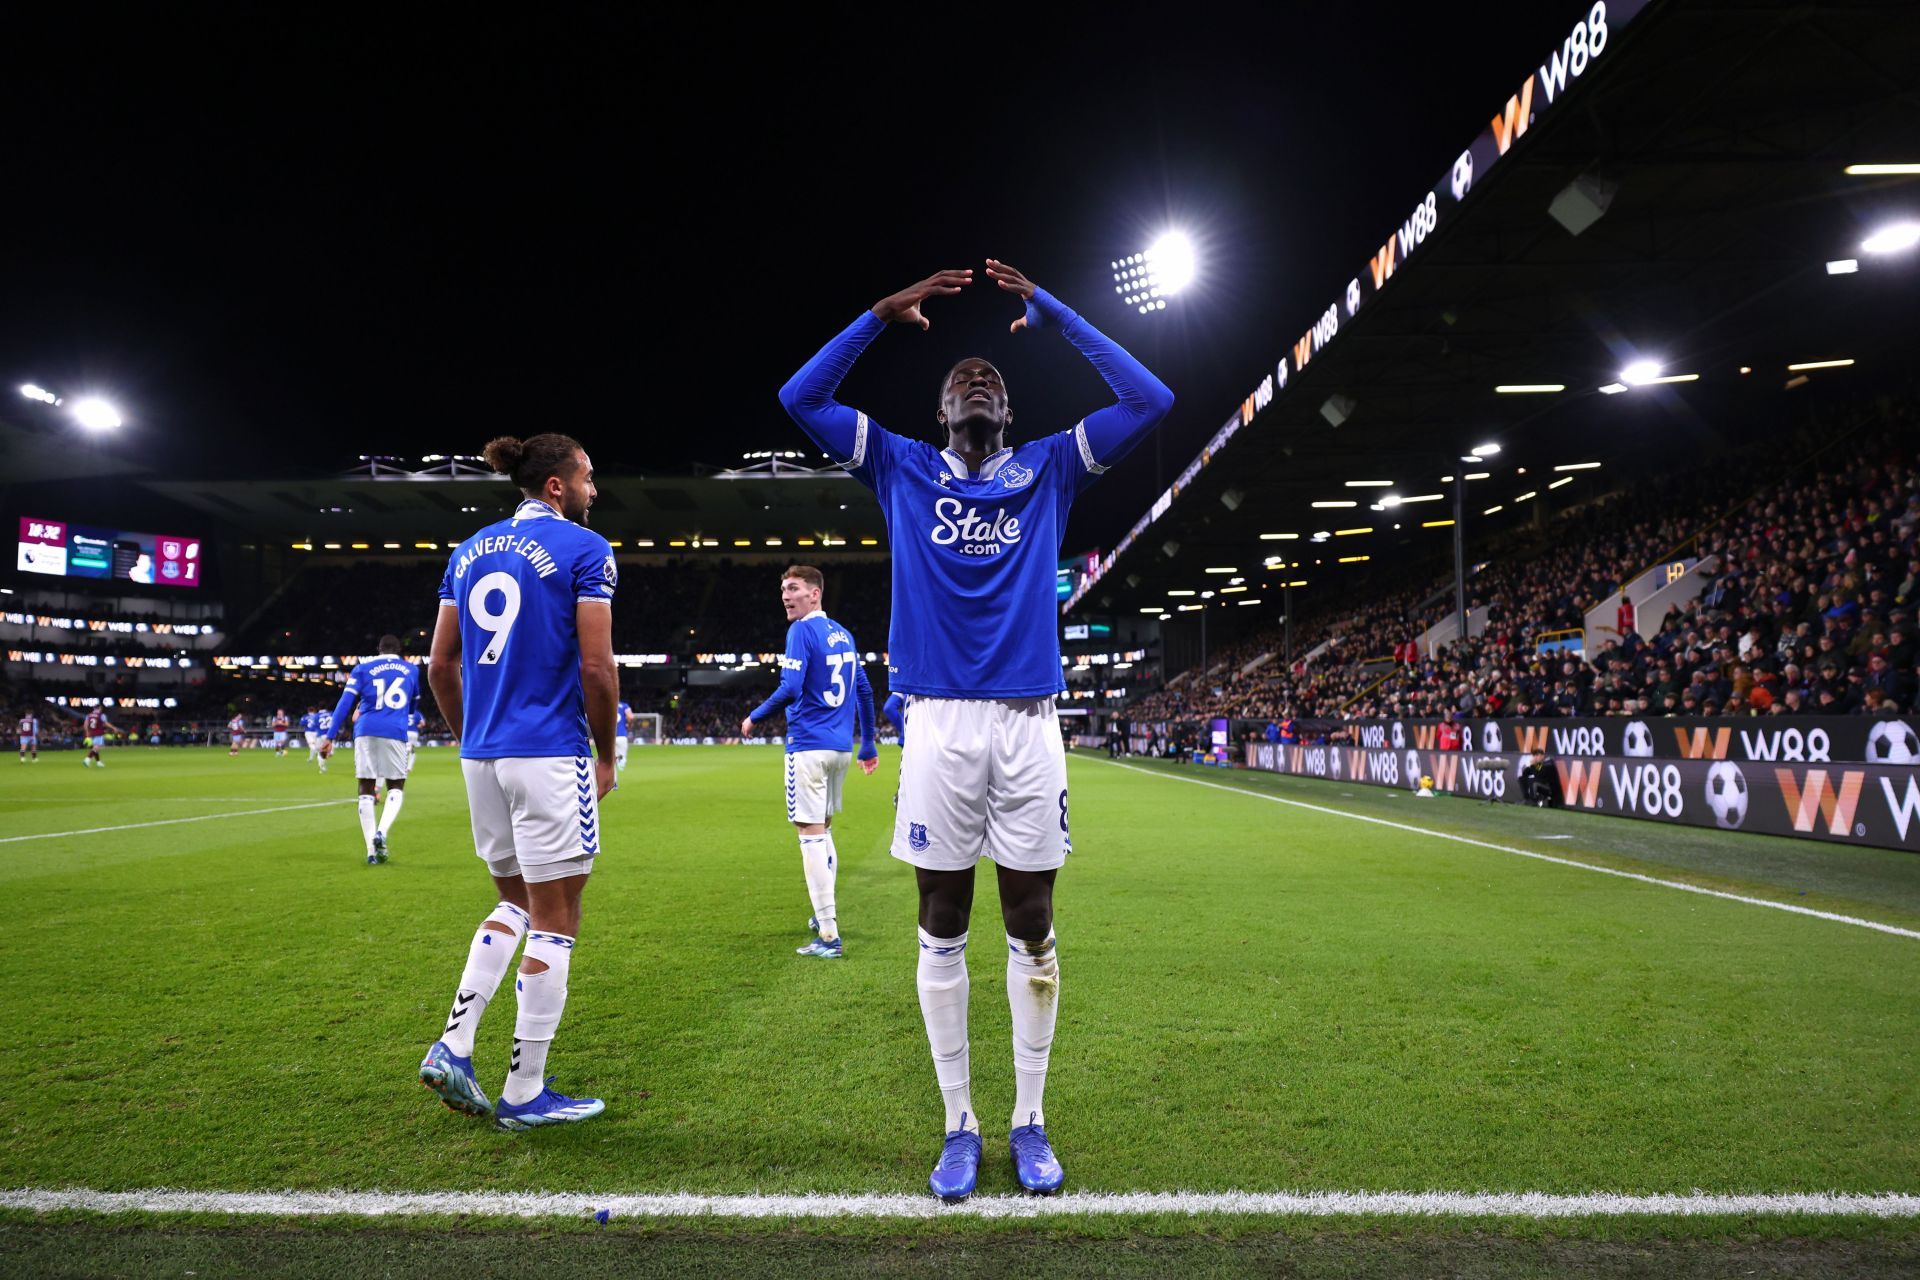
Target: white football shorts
x,y
279,738
814,781
313,741
536,817
379,757
982,777
620,751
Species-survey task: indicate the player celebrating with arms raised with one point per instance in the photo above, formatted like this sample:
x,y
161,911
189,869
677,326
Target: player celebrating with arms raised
x,y
814,689
975,646
522,667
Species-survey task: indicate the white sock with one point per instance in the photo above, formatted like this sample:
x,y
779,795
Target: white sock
x,y
942,979
392,810
1033,993
542,998
821,864
487,959
366,821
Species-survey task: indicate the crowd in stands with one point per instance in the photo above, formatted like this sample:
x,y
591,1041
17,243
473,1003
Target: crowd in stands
x,y
1809,608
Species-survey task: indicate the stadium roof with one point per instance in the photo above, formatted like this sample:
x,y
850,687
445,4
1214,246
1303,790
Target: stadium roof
x,y
448,500
1724,130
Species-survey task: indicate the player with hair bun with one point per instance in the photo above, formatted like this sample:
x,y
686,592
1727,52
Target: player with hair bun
x,y
522,667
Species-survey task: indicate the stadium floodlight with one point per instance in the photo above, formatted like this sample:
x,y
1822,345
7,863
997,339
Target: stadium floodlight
x,y
1173,261
1880,170
1278,537
1529,388
1347,533
96,414
1577,466
1843,266
1422,497
1180,592
1484,450
1613,388
1896,238
1818,364
1217,569
1341,503
1640,372
1354,559
1490,510
1528,495
1369,484
1146,280
41,394
1562,480
1479,475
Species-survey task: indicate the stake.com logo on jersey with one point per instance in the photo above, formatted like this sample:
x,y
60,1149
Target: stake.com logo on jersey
x,y
973,535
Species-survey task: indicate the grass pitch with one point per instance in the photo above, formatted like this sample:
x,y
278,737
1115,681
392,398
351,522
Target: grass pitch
x,y
1254,996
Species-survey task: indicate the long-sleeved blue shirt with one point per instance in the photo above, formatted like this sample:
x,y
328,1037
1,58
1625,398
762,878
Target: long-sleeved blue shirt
x,y
975,555
824,689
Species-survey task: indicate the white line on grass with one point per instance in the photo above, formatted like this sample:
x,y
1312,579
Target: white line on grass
x,y
1316,1204
1076,1204
1896,930
168,822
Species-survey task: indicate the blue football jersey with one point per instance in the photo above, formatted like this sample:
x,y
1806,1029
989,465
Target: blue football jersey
x,y
975,556
386,689
516,584
819,686
620,720
324,722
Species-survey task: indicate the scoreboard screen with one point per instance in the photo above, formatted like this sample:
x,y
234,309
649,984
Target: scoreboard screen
x,y
65,550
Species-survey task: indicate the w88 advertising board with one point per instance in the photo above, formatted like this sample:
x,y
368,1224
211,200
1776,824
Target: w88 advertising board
x,y
1759,739
1862,804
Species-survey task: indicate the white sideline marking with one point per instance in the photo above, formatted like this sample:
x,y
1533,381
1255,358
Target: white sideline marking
x,y
1314,1204
168,822
1837,918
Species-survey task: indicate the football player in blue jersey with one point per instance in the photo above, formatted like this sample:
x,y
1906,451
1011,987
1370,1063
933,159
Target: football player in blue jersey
x,y
824,690
310,727
975,647
386,689
621,716
522,668
323,725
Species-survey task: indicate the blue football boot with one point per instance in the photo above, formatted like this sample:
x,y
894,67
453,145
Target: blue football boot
x,y
450,1076
550,1107
954,1177
822,948
1033,1160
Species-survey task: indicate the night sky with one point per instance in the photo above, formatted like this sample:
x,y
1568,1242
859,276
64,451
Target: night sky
x,y
281,240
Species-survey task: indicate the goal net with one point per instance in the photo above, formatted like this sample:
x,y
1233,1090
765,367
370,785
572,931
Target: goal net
x,y
645,729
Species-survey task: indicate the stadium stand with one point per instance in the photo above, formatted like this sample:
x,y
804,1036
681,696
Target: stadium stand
x,y
1809,607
